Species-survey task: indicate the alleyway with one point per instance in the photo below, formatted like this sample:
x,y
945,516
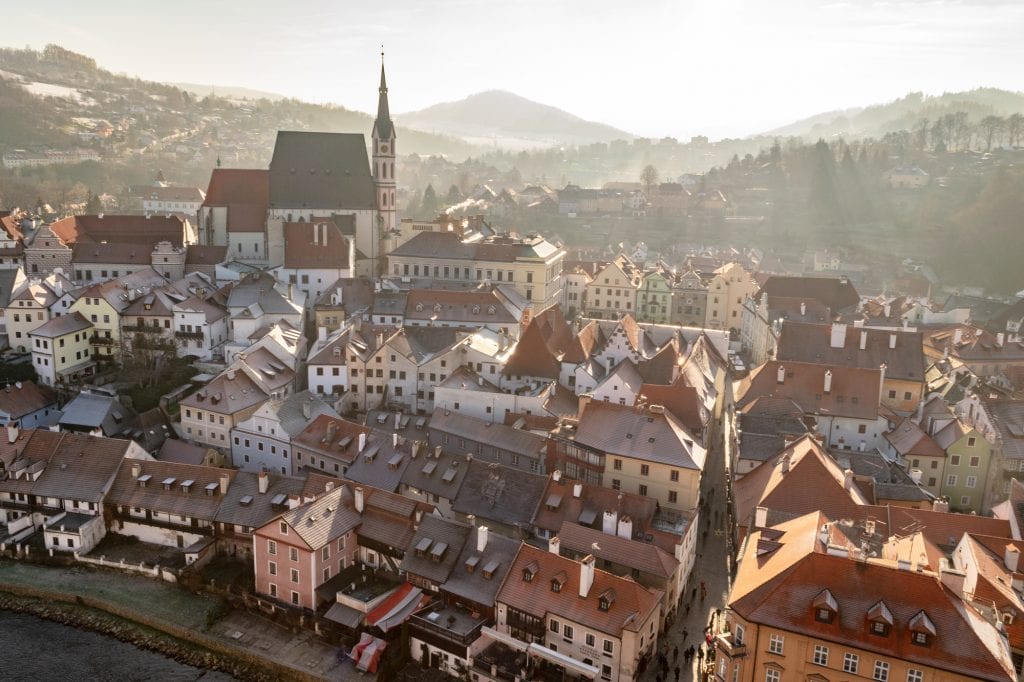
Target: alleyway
x,y
711,569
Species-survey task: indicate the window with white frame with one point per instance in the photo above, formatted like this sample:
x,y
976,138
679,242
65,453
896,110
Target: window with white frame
x,y
915,675
951,480
772,675
850,662
881,671
775,643
820,655
971,481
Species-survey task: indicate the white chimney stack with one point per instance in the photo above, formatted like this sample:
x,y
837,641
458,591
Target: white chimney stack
x,y
863,340
1000,338
626,527
838,335
848,479
224,481
940,505
577,489
394,440
958,336
358,501
803,308
609,522
556,475
887,309
761,517
828,381
1011,558
586,575
781,375
263,482
136,470
321,334
892,340
362,442
481,538
554,545
916,475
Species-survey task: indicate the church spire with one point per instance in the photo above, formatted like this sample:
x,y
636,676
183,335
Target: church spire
x,y
383,128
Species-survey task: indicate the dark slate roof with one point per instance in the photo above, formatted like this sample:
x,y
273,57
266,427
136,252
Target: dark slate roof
x,y
435,533
320,170
245,505
497,556
833,292
812,343
80,467
504,494
427,473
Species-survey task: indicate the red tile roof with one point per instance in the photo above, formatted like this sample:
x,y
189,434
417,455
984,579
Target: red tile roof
x,y
854,392
316,244
128,229
532,357
238,186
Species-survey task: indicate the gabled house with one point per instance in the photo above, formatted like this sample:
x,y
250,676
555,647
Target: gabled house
x,y
263,441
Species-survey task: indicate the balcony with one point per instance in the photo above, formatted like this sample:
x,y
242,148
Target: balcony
x,y
194,336
728,647
448,624
101,340
142,328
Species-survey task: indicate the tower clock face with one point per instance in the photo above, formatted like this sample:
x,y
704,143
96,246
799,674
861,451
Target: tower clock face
x,y
384,149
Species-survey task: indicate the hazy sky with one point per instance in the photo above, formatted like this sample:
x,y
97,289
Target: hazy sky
x,y
653,67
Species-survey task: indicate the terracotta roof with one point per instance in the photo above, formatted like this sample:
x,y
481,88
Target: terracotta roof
x,y
833,292
238,186
226,395
909,439
777,587
469,307
560,505
682,401
205,254
316,244
631,609
25,397
633,554
854,392
159,193
127,229
163,491
812,343
532,357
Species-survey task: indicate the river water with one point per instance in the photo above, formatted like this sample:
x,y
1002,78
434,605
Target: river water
x,y
42,650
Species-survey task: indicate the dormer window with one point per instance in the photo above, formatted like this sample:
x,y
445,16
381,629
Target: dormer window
x,y
606,599
880,619
922,629
825,607
556,583
530,571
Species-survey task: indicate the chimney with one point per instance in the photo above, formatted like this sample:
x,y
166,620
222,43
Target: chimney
x,y
136,469
554,544
609,522
892,340
1000,338
761,517
224,481
362,442
321,334
863,340
359,499
329,486
828,381
586,575
307,408
481,538
556,475
12,433
398,420
786,461
958,336
626,527
415,448
887,309
264,481
952,578
803,308
781,375
577,489
1011,557
394,440
940,505
231,375
881,379
916,475
838,335
848,479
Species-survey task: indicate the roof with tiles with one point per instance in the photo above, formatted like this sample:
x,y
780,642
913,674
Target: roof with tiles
x,y
909,439
561,505
992,582
833,292
125,229
812,481
631,605
316,244
25,397
853,393
80,466
320,170
230,392
205,254
499,493
633,554
436,472
382,462
812,343
478,574
647,434
682,401
331,435
171,488
323,520
785,571
507,438
434,549
470,307
532,357
1007,418
238,186
60,326
976,345
391,519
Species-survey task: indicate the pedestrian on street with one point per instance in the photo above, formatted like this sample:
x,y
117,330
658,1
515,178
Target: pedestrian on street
x,y
675,653
700,656
686,635
677,673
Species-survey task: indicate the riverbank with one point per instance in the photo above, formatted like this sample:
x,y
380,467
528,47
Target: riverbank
x,y
191,628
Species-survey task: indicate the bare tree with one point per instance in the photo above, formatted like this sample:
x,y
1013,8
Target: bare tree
x,y
962,130
1014,128
990,127
922,134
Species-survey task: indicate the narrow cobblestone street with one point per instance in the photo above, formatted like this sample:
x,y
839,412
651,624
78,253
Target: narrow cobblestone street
x,y
711,572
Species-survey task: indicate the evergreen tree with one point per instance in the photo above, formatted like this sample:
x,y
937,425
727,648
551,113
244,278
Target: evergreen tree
x,y
429,205
93,204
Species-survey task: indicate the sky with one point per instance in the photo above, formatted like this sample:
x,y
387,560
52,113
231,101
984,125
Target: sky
x,y
723,68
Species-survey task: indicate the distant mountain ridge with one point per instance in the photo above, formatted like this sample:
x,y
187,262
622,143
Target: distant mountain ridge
x,y
510,120
232,91
903,114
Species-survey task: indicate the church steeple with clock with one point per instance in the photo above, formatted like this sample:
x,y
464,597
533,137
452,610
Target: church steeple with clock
x,y
384,160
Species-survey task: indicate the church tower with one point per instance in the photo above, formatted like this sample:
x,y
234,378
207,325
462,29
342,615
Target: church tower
x,y
384,162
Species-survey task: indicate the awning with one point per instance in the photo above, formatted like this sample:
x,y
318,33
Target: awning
x,y
508,640
567,662
398,606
